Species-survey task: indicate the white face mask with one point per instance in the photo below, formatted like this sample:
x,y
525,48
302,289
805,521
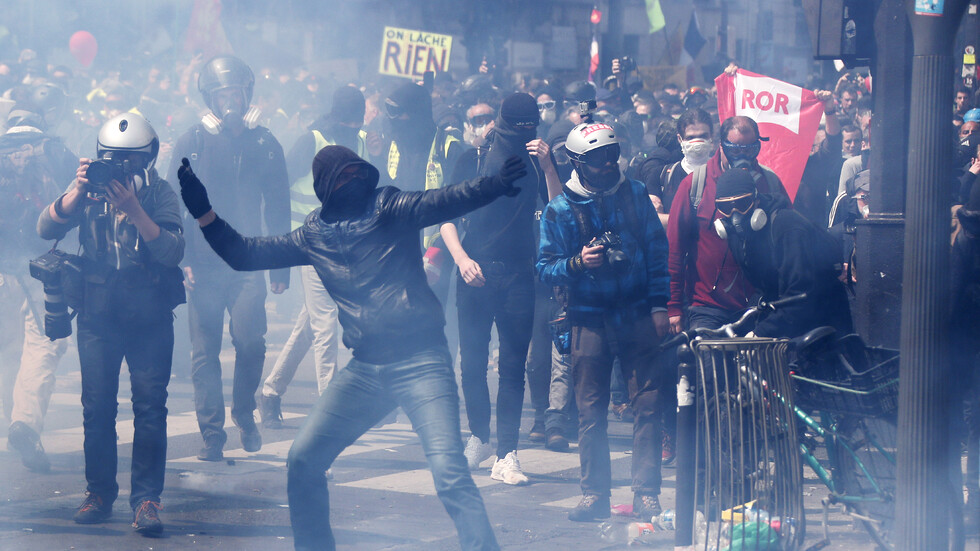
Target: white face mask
x,y
548,116
470,134
697,151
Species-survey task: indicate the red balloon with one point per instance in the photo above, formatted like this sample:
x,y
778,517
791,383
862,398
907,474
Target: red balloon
x,y
83,47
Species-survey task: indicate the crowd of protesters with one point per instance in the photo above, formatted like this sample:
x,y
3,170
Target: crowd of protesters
x,y
655,218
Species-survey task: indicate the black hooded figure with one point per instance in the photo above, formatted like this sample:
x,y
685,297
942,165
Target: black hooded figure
x,y
363,244
418,156
496,286
782,254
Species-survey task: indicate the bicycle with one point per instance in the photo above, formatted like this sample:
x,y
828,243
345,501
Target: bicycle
x,y
757,427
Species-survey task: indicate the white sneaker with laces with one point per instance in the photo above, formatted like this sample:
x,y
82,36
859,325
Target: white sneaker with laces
x,y
477,452
508,470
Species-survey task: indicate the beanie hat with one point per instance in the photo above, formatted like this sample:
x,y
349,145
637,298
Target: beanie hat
x,y
412,99
734,182
520,110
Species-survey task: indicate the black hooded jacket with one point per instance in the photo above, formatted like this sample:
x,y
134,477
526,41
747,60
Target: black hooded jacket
x,y
787,257
370,261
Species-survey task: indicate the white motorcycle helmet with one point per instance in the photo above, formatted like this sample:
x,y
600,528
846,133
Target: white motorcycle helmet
x,y
130,133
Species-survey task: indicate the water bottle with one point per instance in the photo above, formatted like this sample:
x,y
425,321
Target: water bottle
x,y
636,533
664,521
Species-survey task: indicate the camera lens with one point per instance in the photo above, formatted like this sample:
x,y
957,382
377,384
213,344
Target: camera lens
x,y
57,323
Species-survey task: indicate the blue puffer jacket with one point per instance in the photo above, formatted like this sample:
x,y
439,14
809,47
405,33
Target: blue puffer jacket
x,y
596,294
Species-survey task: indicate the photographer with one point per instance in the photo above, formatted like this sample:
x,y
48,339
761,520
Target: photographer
x,y
603,240
131,237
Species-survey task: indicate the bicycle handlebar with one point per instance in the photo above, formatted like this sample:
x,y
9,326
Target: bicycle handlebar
x,y
734,329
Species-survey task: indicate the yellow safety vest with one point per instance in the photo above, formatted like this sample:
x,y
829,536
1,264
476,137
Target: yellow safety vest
x,y
434,174
302,197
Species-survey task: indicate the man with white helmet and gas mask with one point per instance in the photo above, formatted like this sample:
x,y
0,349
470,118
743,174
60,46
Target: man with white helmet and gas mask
x,y
602,240
132,241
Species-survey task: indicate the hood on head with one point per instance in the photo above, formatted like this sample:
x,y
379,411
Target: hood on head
x,y
328,164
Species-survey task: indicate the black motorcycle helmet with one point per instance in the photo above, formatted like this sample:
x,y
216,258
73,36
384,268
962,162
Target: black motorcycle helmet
x,y
222,72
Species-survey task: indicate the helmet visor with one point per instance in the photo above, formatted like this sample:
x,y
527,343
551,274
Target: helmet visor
x,y
601,156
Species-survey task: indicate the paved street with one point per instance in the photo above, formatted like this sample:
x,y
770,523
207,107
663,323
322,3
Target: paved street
x,y
382,496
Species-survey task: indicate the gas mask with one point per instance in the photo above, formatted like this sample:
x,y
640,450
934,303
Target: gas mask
x,y
697,151
740,217
599,168
742,156
215,125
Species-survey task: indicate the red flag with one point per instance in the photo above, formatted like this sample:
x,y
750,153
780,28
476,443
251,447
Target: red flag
x,y
788,115
595,18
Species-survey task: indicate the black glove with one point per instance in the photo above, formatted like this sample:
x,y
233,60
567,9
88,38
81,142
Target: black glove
x,y
514,169
192,190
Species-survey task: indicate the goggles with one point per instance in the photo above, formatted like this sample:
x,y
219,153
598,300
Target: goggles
x,y
598,158
393,110
477,121
546,105
741,151
730,205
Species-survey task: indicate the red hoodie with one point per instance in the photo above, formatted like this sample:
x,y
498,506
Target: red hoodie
x,y
700,265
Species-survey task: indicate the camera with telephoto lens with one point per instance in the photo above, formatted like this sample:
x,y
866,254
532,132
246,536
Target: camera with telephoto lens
x,y
105,170
50,269
615,256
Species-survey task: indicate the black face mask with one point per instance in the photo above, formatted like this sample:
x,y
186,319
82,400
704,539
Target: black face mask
x,y
346,202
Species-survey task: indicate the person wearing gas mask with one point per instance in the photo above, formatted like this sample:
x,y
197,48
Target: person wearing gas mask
x,y
34,169
132,242
602,240
316,324
496,286
782,255
706,284
363,244
249,169
479,121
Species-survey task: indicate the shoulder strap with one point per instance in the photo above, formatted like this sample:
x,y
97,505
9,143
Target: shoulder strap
x,y
697,185
582,221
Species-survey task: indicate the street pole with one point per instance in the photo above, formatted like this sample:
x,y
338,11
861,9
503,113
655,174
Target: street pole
x,y
922,515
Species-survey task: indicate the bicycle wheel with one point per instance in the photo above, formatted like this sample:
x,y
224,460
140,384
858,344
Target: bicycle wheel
x,y
864,473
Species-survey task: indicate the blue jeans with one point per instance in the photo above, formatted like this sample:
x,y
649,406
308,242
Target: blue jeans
x,y
103,343
359,396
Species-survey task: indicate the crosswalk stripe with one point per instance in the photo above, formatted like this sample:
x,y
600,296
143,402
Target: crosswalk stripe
x,y
419,481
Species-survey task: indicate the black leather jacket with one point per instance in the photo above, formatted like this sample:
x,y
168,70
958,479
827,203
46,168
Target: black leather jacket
x,y
370,264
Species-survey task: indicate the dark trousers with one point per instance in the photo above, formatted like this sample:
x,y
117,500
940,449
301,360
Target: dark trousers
x,y
593,350
507,299
539,352
103,343
243,296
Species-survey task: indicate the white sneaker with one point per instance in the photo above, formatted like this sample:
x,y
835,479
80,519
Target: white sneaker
x,y
477,452
508,470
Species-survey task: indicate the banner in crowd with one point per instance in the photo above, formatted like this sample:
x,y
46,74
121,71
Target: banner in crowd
x,y
409,54
788,115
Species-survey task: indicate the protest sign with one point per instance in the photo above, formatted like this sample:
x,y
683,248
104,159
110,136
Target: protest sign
x,y
408,53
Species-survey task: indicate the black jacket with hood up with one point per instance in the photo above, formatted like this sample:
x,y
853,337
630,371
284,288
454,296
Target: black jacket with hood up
x,y
369,261
789,256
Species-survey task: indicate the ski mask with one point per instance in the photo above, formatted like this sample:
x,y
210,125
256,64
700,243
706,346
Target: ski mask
x,y
344,192
518,119
742,156
409,117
